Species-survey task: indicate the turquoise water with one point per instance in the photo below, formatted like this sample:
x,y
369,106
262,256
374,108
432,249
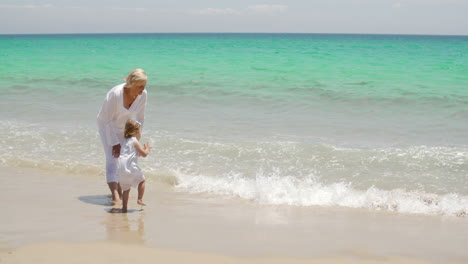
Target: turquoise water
x,y
391,65
382,66
373,121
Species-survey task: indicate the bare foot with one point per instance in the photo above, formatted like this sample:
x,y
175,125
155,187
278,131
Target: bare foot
x,y
124,210
115,210
140,202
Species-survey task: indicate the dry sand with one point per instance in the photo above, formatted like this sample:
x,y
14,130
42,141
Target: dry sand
x,y
50,217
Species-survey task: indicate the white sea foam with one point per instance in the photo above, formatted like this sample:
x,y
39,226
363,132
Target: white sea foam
x,y
309,192
276,189
413,179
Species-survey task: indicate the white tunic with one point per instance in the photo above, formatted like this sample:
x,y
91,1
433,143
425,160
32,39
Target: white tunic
x,y
113,115
128,171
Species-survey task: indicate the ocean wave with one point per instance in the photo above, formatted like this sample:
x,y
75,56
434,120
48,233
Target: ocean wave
x,y
437,169
309,192
428,169
274,189
411,179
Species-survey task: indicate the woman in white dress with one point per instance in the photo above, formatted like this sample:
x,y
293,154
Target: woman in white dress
x,y
123,102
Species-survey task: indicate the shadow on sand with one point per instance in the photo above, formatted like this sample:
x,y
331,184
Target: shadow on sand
x,y
103,200
119,211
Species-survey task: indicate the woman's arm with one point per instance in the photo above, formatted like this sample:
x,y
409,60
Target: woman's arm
x,y
142,150
140,116
105,116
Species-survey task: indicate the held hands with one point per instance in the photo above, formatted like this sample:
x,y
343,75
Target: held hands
x,y
116,151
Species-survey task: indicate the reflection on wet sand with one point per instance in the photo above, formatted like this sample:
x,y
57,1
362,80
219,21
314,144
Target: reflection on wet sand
x,y
125,228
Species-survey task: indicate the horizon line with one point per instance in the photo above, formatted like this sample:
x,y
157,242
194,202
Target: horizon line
x,y
298,33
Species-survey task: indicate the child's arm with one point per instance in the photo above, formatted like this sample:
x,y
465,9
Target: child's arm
x,y
142,150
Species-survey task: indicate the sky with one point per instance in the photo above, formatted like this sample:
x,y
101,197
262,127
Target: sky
x,y
433,17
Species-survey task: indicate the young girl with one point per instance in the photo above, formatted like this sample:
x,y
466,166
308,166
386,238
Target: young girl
x,y
128,171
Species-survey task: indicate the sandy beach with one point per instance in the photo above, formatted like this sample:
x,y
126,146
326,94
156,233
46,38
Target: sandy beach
x,y
119,253
48,217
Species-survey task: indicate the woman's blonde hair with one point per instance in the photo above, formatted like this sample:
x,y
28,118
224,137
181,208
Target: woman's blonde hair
x,y
136,76
131,128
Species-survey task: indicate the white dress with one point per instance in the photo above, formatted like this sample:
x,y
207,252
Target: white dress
x,y
128,171
111,122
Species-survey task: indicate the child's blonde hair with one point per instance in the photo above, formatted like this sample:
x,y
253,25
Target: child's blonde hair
x,y
136,76
131,128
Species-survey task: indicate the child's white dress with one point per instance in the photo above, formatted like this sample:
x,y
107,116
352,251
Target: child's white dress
x,y
128,171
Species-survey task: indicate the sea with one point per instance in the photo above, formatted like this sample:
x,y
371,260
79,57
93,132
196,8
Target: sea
x,y
373,122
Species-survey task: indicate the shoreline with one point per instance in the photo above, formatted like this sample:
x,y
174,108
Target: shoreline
x,y
41,207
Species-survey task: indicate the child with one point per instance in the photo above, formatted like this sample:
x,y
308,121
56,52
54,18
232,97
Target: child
x,y
128,172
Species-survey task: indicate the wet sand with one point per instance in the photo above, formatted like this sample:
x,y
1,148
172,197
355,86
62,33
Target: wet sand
x,y
70,215
119,253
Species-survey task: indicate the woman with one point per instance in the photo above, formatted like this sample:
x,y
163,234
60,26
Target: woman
x,y
123,102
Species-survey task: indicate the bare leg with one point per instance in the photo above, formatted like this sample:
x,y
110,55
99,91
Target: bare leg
x,y
119,190
125,196
114,188
141,192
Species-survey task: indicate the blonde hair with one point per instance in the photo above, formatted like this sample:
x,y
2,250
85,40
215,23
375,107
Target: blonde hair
x,y
135,76
131,128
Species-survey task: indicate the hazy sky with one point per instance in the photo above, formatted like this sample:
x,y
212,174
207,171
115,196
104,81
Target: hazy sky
x,y
449,17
